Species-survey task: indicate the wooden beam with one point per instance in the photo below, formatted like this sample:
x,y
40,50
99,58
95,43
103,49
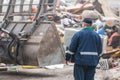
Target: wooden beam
x,y
106,9
76,11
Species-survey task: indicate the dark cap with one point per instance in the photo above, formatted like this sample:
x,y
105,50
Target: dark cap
x,y
87,20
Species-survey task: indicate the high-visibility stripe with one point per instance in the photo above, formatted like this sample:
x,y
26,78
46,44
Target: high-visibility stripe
x,y
69,52
88,53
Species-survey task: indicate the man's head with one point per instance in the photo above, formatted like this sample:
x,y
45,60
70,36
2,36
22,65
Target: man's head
x,y
86,22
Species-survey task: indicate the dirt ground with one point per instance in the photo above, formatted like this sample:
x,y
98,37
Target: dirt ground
x,y
65,73
39,74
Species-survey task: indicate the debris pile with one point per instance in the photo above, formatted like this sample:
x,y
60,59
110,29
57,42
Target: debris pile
x,y
105,23
68,20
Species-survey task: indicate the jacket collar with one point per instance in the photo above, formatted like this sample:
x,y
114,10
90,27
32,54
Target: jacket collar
x,y
88,28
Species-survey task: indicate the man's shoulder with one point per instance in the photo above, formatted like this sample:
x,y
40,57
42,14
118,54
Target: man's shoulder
x,y
79,32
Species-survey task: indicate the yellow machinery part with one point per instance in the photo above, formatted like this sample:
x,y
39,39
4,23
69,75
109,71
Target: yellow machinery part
x,y
13,49
116,54
30,67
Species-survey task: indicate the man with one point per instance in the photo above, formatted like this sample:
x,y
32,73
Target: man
x,y
85,47
109,27
101,30
112,41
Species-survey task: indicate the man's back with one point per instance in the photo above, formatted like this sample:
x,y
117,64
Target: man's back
x,y
87,44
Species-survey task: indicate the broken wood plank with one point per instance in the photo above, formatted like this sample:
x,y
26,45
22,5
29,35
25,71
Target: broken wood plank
x,y
81,7
106,9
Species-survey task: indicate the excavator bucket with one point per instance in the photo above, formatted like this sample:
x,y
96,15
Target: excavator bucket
x,y
43,47
29,41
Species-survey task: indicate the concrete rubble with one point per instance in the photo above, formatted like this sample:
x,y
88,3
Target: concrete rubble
x,y
68,19
109,65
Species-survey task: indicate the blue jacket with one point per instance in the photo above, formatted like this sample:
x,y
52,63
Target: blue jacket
x,y
86,46
101,31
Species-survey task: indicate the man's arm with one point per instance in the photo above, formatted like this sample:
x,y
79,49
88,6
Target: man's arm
x,y
74,43
99,45
72,48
